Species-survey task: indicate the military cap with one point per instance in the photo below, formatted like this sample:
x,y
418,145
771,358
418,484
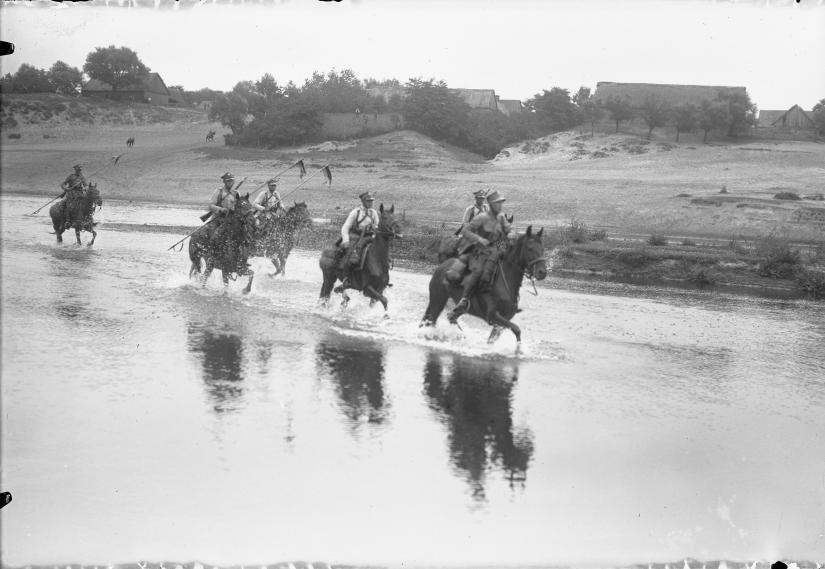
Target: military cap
x,y
78,167
366,196
495,197
272,182
480,193
227,176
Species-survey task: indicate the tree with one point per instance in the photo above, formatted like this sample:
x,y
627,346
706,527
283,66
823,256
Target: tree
x,y
115,66
685,117
619,109
819,117
589,109
554,109
65,78
28,79
431,109
654,112
741,112
231,110
712,115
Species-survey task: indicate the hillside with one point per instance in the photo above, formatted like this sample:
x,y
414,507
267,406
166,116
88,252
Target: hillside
x,y
618,182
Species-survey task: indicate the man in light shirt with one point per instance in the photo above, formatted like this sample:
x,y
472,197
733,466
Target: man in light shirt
x,y
269,201
358,228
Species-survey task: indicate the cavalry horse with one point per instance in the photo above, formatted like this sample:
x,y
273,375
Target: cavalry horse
x,y
226,246
373,274
275,237
498,302
78,214
210,136
130,142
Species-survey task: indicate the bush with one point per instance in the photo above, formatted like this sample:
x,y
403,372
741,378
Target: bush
x,y
811,281
15,135
688,242
634,258
780,261
657,240
786,196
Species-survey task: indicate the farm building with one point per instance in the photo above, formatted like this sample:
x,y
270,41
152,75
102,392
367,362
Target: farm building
x,y
151,89
791,124
478,98
509,106
637,93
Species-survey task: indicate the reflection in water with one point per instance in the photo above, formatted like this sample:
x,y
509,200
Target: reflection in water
x,y
357,370
221,355
473,399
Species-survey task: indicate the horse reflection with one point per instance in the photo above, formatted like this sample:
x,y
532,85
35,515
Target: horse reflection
x,y
473,399
357,370
221,356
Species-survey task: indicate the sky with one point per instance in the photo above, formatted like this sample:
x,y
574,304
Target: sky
x,y
774,48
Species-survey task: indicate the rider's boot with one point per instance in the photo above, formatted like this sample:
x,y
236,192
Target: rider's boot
x,y
464,303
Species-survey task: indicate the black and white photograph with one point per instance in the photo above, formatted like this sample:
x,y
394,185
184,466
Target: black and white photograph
x,y
420,284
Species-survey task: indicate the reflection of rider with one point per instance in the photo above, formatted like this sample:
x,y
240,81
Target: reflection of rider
x,y
484,234
359,227
73,187
268,204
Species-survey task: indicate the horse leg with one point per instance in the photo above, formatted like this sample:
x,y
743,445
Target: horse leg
x,y
438,300
207,271
278,267
326,286
495,333
77,234
94,236
375,295
497,319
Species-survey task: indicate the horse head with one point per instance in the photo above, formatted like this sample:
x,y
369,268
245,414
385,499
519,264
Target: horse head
x,y
530,253
298,215
242,214
388,225
93,195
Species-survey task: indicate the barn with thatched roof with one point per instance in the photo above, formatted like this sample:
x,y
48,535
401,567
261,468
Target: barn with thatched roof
x,y
478,98
793,123
149,89
637,93
509,106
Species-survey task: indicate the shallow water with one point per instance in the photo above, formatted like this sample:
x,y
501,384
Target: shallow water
x,y
146,418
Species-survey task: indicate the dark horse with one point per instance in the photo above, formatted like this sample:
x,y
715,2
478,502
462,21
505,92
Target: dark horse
x,y
373,275
78,213
226,246
498,303
210,136
275,237
130,142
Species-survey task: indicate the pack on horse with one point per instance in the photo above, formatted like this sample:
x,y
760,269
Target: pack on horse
x,y
225,245
496,303
275,236
76,212
448,247
372,275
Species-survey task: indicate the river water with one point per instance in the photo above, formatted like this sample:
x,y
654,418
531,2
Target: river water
x,y
147,418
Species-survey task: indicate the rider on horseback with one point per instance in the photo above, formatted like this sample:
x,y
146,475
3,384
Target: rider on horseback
x,y
484,234
359,227
479,207
268,203
73,187
221,203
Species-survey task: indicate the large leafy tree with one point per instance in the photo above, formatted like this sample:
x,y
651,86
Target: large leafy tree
x,y
65,78
654,112
231,110
589,109
685,117
619,109
554,110
713,115
117,66
28,79
819,117
741,112
431,109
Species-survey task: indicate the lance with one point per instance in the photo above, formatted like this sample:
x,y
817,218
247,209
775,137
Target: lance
x,y
327,175
35,212
299,163
188,235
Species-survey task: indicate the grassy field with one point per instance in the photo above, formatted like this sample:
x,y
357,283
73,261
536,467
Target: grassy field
x,y
616,182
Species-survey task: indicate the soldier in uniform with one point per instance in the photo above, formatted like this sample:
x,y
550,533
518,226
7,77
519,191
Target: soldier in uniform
x,y
356,232
220,204
73,187
269,202
483,234
480,206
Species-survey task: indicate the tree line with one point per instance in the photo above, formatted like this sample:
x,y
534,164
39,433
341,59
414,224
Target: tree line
x,y
265,114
